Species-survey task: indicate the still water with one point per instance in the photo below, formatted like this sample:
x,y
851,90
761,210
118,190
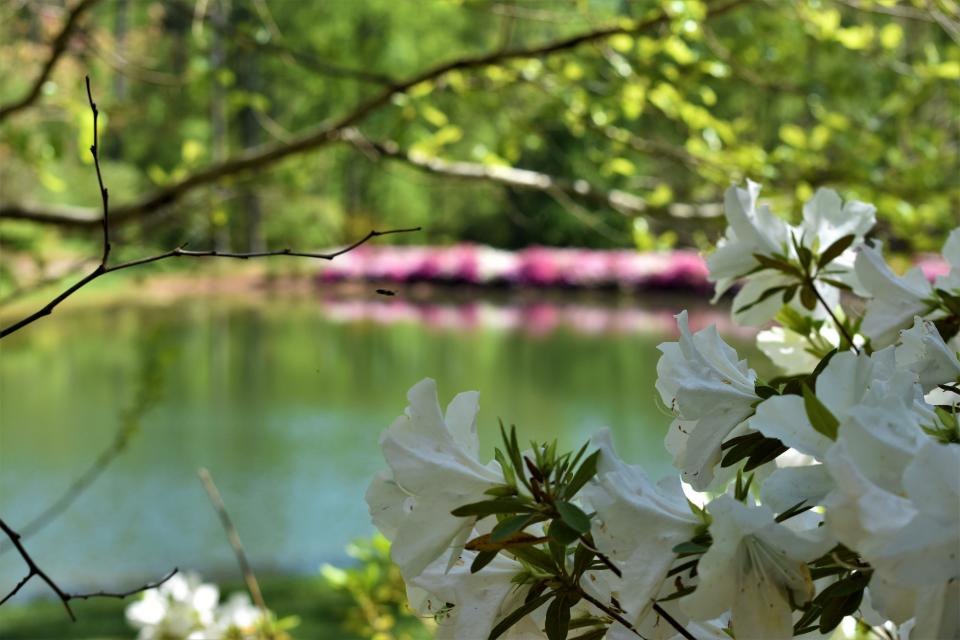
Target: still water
x,y
283,400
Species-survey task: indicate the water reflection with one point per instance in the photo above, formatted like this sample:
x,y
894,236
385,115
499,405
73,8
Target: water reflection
x,y
284,399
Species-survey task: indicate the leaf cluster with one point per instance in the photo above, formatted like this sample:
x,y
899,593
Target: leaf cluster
x,y
540,526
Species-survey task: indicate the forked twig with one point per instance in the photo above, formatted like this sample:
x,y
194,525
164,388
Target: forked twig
x,y
33,570
180,252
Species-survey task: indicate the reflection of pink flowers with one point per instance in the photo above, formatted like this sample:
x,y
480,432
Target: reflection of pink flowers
x,y
534,319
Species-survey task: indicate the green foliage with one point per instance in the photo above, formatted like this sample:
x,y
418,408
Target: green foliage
x,y
796,94
379,601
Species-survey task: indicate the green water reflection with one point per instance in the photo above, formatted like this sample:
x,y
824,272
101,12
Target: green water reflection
x,y
284,403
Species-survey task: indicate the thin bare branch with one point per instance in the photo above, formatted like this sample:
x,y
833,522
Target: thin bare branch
x,y
33,570
104,194
234,537
57,49
324,134
180,252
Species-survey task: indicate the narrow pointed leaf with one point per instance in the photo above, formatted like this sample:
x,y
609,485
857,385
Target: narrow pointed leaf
x,y
818,414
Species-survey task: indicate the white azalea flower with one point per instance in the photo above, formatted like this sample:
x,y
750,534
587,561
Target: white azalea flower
x,y
433,470
951,253
710,391
937,613
897,502
469,605
894,301
236,618
755,229
755,567
827,219
639,524
848,381
181,608
751,230
926,551
924,352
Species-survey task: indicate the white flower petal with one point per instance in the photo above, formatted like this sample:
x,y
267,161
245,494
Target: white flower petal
x,y
785,418
461,420
826,218
639,524
924,352
937,613
788,487
894,300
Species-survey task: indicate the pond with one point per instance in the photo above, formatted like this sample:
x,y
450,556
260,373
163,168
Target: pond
x,y
283,399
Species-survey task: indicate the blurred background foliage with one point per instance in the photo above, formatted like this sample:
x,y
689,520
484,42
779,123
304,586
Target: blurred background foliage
x,y
860,95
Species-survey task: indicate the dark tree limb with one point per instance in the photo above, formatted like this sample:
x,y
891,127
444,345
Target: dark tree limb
x,y
57,49
180,252
622,201
33,570
325,134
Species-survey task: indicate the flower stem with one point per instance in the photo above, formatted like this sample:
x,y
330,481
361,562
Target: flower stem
x,y
842,329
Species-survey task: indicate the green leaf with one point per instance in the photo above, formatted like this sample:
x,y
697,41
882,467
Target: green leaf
x,y
690,548
573,516
764,391
482,559
586,471
582,558
769,450
507,468
558,618
501,491
510,526
836,283
851,584
950,301
755,436
789,294
679,593
518,614
808,297
795,510
834,250
806,257
818,414
562,533
777,264
763,296
836,609
490,507
823,363
535,557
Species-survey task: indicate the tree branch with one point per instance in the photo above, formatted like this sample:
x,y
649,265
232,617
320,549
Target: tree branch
x,y
234,538
622,201
57,49
33,570
266,155
104,268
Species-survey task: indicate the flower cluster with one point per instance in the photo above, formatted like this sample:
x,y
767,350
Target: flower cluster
x,y
184,608
827,495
